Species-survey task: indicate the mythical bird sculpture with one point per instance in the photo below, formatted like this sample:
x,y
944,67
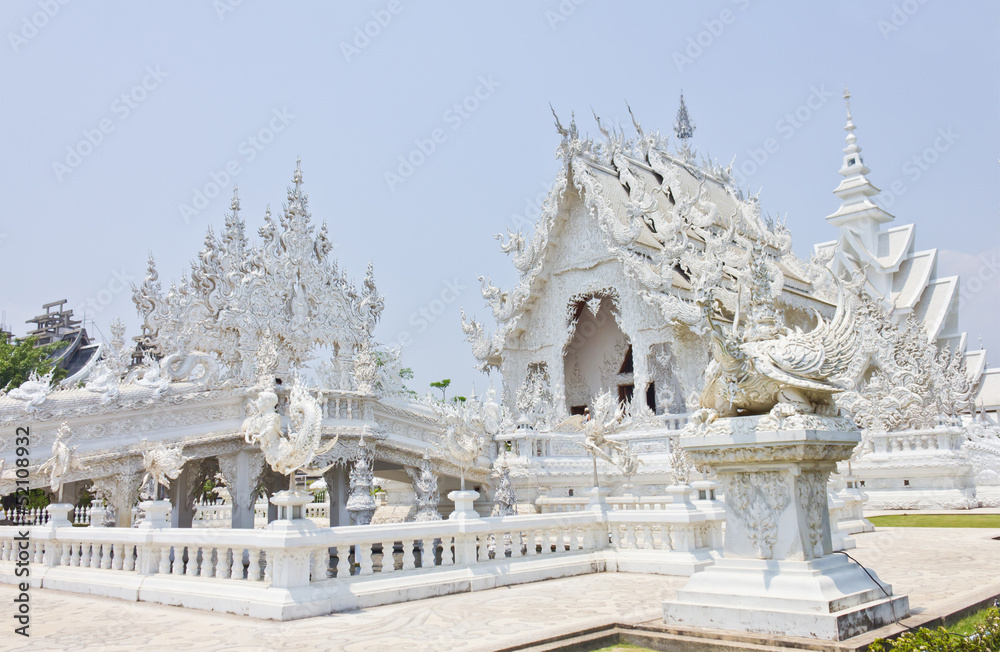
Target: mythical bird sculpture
x,y
162,464
755,370
64,459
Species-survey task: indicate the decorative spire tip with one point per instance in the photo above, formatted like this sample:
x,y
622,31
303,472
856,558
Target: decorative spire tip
x,y
684,128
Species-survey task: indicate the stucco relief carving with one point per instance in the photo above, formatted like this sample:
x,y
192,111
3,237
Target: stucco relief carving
x,y
811,492
237,290
758,499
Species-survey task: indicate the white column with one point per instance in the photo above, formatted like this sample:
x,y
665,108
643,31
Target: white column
x,y
182,513
640,372
557,376
336,492
242,472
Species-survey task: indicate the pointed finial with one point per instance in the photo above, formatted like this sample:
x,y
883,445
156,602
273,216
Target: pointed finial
x,y
600,126
562,130
849,127
635,123
297,177
684,128
235,204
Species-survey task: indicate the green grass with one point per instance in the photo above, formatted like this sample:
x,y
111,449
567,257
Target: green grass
x,y
968,624
937,520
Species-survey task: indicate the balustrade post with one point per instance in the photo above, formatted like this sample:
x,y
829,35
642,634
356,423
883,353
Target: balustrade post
x,y
288,567
388,564
465,549
363,554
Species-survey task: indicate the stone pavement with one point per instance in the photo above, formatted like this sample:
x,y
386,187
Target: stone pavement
x,y
933,566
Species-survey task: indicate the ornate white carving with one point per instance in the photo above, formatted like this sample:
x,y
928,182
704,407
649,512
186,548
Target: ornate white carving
x,y
425,487
161,464
757,498
759,370
64,459
607,418
149,374
504,500
284,453
680,465
105,379
365,370
911,384
361,502
33,391
465,433
236,291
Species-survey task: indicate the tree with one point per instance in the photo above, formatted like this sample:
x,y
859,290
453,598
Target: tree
x,y
19,359
442,385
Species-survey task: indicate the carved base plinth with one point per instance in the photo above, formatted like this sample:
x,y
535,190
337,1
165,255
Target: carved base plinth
x,y
155,514
775,483
59,514
778,574
291,506
831,598
463,505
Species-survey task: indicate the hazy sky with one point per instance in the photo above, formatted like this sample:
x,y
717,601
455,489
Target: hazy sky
x,y
171,94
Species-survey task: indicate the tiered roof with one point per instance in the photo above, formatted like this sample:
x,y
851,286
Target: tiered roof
x,y
903,279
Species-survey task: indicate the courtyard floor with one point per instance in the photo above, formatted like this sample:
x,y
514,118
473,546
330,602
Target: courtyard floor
x,y
935,567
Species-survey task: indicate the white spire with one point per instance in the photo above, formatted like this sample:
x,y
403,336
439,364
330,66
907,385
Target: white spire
x,y
857,210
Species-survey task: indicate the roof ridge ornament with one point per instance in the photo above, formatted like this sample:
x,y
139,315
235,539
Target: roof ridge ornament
x,y
684,129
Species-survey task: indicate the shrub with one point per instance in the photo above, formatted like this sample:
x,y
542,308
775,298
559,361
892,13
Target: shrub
x,y
985,639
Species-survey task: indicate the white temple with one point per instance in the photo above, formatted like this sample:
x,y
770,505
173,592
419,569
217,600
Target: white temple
x,y
645,273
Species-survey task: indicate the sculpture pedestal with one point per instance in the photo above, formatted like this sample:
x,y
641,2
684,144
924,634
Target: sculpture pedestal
x,y
598,499
59,514
97,515
778,574
463,500
156,514
291,510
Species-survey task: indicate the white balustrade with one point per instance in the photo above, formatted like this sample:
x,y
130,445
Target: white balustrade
x,y
326,569
557,504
